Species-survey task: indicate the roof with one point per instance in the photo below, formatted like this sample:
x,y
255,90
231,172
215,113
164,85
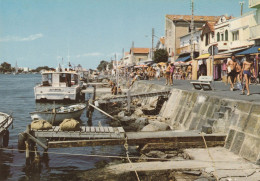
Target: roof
x,y
254,49
162,40
140,50
211,25
196,18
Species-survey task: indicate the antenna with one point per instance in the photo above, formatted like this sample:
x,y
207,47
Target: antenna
x,y
242,5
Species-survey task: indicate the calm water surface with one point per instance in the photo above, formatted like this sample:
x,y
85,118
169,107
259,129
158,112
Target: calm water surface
x,y
17,97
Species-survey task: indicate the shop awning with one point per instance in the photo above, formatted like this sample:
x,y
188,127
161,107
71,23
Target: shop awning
x,y
254,49
222,56
183,59
231,51
203,56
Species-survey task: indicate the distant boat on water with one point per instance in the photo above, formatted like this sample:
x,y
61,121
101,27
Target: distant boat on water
x,y
16,69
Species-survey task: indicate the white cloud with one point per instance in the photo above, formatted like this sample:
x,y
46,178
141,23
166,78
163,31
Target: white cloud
x,y
17,38
94,54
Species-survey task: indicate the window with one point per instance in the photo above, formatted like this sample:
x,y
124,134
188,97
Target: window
x,y
222,37
226,35
218,36
207,39
235,35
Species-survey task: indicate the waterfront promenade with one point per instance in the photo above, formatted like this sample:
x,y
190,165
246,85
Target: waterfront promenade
x,y
220,89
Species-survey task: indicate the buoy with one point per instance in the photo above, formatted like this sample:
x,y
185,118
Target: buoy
x,y
6,138
21,142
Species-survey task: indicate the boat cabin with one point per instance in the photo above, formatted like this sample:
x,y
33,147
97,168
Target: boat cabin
x,y
60,79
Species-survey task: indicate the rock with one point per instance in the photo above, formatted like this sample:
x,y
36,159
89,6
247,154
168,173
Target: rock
x,y
156,154
141,121
138,112
126,119
121,114
149,127
161,126
194,172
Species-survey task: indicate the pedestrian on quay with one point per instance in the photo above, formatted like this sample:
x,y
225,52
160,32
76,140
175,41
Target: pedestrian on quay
x,y
238,76
158,72
247,69
189,70
171,73
233,73
167,74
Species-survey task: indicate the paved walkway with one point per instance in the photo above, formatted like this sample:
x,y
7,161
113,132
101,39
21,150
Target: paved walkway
x,y
221,90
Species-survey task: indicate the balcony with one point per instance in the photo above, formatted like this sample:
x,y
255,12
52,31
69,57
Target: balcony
x,y
187,49
255,32
254,3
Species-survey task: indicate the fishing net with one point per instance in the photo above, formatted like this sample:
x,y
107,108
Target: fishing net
x,y
70,125
40,125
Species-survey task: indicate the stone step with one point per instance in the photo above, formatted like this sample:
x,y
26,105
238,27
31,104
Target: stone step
x,y
207,129
211,121
219,115
223,109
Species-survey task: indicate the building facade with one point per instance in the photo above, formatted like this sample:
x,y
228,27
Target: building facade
x,y
177,26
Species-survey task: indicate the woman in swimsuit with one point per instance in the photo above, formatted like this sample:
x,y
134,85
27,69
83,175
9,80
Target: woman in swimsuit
x,y
247,67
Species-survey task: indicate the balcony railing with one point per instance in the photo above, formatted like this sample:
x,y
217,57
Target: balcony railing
x,y
255,32
187,49
254,3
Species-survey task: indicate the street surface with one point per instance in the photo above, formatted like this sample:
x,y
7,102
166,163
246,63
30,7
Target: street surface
x,y
221,90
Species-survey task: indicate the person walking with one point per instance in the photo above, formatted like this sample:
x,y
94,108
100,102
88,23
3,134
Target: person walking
x,y
171,73
167,73
232,74
247,69
158,72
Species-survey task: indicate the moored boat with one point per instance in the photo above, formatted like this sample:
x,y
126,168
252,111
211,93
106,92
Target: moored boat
x,y
59,85
57,115
5,122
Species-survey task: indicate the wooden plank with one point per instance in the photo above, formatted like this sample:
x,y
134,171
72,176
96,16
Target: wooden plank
x,y
111,130
121,130
83,128
106,129
92,129
102,130
97,129
57,128
87,129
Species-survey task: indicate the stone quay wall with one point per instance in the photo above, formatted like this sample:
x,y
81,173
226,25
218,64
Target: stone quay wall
x,y
196,110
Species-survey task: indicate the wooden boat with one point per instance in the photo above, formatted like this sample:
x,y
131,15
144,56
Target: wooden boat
x,y
57,115
5,121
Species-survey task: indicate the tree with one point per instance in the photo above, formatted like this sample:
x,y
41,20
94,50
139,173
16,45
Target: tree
x,y
6,67
103,65
161,55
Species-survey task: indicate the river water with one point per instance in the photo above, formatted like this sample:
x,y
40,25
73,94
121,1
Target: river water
x,y
17,97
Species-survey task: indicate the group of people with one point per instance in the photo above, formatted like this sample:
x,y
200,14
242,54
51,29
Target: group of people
x,y
240,72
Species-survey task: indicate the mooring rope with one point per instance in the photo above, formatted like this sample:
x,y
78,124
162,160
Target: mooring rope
x,y
127,155
213,162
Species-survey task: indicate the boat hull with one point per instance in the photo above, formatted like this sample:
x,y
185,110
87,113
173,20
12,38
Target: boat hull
x,y
5,122
56,118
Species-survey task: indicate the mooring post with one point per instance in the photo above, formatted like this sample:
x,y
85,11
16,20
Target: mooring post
x,y
128,100
27,145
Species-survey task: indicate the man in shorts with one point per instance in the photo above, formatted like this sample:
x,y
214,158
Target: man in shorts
x,y
233,73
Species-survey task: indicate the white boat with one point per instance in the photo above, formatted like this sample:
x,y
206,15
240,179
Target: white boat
x,y
59,114
5,121
58,85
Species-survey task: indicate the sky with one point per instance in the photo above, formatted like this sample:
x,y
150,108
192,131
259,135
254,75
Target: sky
x,y
48,32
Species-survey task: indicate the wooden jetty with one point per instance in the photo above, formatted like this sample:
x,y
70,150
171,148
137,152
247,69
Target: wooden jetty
x,y
96,136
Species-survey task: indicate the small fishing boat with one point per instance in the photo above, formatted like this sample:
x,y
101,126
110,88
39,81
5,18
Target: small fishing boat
x,y
5,121
57,115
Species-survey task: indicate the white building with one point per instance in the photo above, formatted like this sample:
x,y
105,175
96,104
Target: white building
x,y
255,28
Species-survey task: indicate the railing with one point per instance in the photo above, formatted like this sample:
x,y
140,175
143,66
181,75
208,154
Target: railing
x,y
255,32
254,3
187,49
